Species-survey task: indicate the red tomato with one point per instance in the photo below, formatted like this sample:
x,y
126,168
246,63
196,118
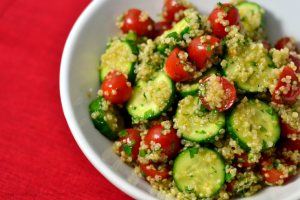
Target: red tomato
x,y
233,18
296,61
230,186
229,89
116,82
286,129
202,49
243,160
170,8
174,67
161,27
292,145
266,45
270,174
151,170
133,135
286,42
170,143
294,90
132,21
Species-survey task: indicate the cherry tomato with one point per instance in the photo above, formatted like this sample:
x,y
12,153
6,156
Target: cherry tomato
x,y
161,27
292,145
151,170
174,67
286,42
243,160
171,8
116,88
229,89
170,143
281,97
133,20
266,45
271,174
230,186
133,139
202,48
286,129
296,61
232,16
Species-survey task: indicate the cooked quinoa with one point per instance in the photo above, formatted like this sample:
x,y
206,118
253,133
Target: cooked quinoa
x,y
244,138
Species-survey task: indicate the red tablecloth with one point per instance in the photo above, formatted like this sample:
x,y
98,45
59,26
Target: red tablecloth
x,y
39,158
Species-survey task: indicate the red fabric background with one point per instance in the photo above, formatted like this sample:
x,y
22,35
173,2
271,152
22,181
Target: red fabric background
x,y
39,158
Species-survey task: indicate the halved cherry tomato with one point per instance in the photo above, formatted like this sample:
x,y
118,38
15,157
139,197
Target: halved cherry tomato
x,y
281,97
169,143
170,8
270,174
133,139
134,21
296,61
286,129
266,45
232,16
229,89
292,145
151,170
243,160
286,42
161,27
202,48
116,88
174,67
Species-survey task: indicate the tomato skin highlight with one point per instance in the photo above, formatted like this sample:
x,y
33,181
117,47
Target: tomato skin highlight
x,y
198,50
153,172
175,69
291,94
170,8
284,42
296,61
169,142
233,17
133,22
132,134
244,156
286,129
273,175
161,27
229,88
116,81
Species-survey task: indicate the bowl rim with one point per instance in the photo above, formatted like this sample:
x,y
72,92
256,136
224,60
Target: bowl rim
x,y
83,144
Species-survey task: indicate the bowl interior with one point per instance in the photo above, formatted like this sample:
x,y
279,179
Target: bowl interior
x,y
79,76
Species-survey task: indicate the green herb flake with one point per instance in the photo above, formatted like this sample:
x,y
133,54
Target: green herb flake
x,y
158,89
228,178
250,128
151,64
241,160
145,96
143,174
227,9
243,19
250,157
200,44
256,179
118,89
177,55
123,133
211,26
203,132
134,108
214,170
142,153
127,149
262,110
270,167
263,129
208,48
215,111
291,172
221,5
186,188
173,144
155,166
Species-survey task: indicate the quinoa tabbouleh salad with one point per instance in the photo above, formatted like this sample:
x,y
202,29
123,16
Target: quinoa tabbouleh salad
x,y
201,106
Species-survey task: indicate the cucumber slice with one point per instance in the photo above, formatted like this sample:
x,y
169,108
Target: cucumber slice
x,y
196,123
151,98
200,171
106,118
254,117
250,68
113,57
191,87
178,30
252,18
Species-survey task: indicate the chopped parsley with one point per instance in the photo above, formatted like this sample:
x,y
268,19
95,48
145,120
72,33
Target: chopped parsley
x,y
142,153
143,174
127,149
145,95
123,133
253,64
241,160
208,48
263,129
173,144
193,151
118,89
134,108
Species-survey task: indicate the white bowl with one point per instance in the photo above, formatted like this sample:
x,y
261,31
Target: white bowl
x,y
79,75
